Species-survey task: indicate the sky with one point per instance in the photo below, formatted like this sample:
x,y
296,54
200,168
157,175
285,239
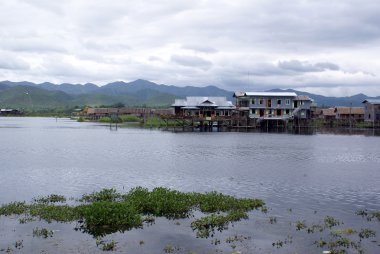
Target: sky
x,y
329,47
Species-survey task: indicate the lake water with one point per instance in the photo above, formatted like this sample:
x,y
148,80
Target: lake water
x,y
300,177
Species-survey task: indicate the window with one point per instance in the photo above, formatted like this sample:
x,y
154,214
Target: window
x,y
278,102
261,101
278,112
287,101
253,101
287,111
244,103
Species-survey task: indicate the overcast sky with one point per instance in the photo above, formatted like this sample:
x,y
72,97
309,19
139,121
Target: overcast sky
x,y
326,46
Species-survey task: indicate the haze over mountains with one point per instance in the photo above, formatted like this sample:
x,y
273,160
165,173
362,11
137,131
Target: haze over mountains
x,y
44,96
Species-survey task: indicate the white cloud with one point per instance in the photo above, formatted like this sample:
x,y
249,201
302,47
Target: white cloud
x,y
10,62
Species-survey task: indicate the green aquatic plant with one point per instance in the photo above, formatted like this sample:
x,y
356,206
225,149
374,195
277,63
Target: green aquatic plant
x,y
110,195
300,225
280,243
108,211
19,244
130,118
42,232
315,227
109,246
49,213
13,208
368,215
376,215
206,225
340,240
53,198
366,233
104,245
25,219
104,217
340,232
331,222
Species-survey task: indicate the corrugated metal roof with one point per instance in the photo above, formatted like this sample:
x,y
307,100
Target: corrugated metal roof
x,y
372,101
303,98
279,94
328,112
239,94
195,101
233,107
349,110
190,107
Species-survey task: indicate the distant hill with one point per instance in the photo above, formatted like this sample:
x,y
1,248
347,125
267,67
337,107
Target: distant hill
x,y
70,88
45,96
33,98
139,85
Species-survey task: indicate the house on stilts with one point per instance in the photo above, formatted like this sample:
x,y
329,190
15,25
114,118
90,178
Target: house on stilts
x,y
273,108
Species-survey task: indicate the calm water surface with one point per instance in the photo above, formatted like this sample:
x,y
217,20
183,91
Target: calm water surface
x,y
313,175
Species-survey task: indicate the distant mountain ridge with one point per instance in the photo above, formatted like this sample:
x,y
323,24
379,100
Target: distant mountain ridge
x,y
140,92
326,101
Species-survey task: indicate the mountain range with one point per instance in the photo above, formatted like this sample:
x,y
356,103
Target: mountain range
x,y
45,96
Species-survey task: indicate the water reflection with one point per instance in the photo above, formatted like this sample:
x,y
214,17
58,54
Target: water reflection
x,y
332,174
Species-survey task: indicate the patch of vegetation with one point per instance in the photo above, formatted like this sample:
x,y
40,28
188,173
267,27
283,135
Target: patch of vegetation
x,y
237,238
42,232
169,248
53,198
104,217
130,118
206,225
109,195
280,243
25,219
109,246
331,222
19,244
104,245
368,215
366,233
300,225
158,122
49,213
108,211
13,208
110,119
339,240
315,227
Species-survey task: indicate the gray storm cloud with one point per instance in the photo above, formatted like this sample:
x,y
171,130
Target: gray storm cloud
x,y
298,66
